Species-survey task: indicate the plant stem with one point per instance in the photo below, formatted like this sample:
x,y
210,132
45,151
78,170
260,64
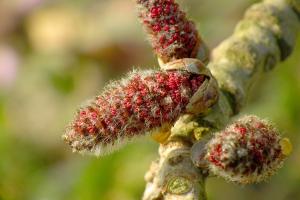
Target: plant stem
x,y
264,37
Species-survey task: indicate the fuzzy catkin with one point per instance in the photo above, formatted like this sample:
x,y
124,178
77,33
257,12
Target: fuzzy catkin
x,y
247,151
172,35
142,102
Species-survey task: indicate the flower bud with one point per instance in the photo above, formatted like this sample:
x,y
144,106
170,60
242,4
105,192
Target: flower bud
x,y
248,151
172,35
144,102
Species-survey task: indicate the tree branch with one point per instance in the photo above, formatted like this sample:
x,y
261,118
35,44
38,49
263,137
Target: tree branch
x,y
262,39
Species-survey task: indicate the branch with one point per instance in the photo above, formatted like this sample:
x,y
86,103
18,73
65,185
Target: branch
x,y
265,37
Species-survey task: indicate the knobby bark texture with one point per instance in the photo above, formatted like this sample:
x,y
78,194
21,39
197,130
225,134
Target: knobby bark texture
x,y
263,38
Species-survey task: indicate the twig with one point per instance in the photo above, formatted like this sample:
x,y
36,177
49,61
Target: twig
x,y
262,39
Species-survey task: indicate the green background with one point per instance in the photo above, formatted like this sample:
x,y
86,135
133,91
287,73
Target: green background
x,y
56,54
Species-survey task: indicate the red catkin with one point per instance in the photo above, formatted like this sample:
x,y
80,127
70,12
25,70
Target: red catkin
x,y
247,151
172,35
140,103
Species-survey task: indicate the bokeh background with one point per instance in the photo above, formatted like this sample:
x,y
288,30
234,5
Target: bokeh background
x,y
55,54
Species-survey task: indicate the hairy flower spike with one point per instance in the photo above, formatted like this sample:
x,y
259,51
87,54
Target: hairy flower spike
x,y
248,151
143,102
172,35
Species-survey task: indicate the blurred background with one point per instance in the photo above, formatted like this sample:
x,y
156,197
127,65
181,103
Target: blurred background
x,y
55,54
